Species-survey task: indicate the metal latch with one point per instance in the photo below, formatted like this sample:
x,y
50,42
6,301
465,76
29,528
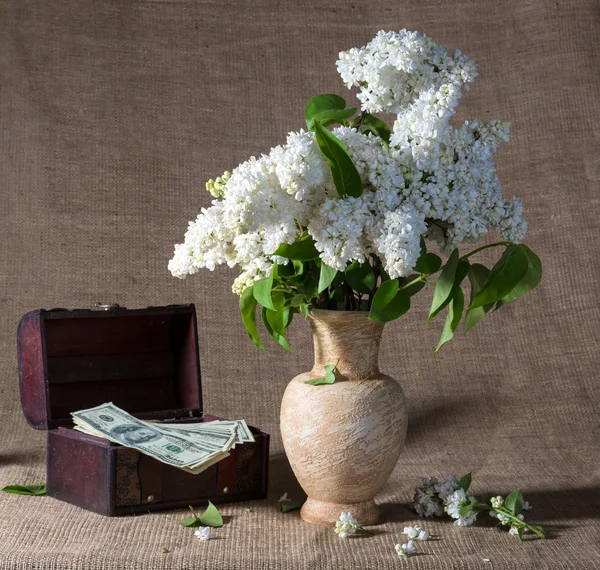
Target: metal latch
x,y
107,306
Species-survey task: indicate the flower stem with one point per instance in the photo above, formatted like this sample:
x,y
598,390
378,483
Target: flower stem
x,y
537,530
496,244
420,279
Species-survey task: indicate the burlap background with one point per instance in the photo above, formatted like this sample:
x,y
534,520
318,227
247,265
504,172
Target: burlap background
x,y
113,115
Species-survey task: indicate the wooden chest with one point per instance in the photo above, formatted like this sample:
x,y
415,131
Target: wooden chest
x,y
146,362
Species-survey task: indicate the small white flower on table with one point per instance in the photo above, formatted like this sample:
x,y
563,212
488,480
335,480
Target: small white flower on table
x,y
283,498
406,550
415,533
346,525
526,506
423,535
204,533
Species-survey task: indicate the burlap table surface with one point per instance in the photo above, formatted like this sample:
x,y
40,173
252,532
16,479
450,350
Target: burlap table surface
x,y
114,114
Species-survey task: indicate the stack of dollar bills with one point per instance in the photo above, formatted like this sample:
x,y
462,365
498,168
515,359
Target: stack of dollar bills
x,y
192,447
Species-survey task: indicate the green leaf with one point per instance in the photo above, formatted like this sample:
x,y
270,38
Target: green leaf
x,y
383,296
455,310
309,287
190,522
478,276
304,309
303,249
289,505
297,300
328,378
465,482
389,303
298,267
450,279
290,270
248,309
428,263
37,490
288,317
211,517
331,117
276,335
262,290
506,274
277,320
514,502
377,126
326,277
443,286
321,104
529,281
360,277
293,273
345,176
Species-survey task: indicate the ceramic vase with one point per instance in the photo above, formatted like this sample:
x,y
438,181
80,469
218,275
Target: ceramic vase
x,y
343,439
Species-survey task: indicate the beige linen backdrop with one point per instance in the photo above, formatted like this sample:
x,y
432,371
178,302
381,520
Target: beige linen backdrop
x,y
113,114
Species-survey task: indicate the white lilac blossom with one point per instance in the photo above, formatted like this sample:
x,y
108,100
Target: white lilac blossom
x,y
397,69
406,550
426,501
454,503
203,533
433,180
447,486
346,525
497,502
438,496
416,533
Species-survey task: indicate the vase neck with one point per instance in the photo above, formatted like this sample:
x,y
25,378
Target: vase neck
x,y
349,339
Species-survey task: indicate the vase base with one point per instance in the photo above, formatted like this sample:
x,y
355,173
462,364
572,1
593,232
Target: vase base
x,y
326,514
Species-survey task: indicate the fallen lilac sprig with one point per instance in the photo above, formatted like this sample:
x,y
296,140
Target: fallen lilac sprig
x,y
451,495
406,550
416,533
347,525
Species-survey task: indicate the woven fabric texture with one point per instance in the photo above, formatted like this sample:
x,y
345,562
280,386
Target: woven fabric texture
x,y
114,114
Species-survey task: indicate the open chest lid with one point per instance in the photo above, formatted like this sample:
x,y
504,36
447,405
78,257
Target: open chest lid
x,y
143,360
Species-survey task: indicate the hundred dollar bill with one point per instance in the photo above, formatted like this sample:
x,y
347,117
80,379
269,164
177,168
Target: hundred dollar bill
x,y
243,432
220,441
223,426
116,425
195,469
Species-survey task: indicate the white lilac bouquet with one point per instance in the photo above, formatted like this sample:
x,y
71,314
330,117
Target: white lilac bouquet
x,y
342,215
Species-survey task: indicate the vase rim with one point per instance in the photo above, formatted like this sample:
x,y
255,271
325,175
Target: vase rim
x,y
335,312
332,316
